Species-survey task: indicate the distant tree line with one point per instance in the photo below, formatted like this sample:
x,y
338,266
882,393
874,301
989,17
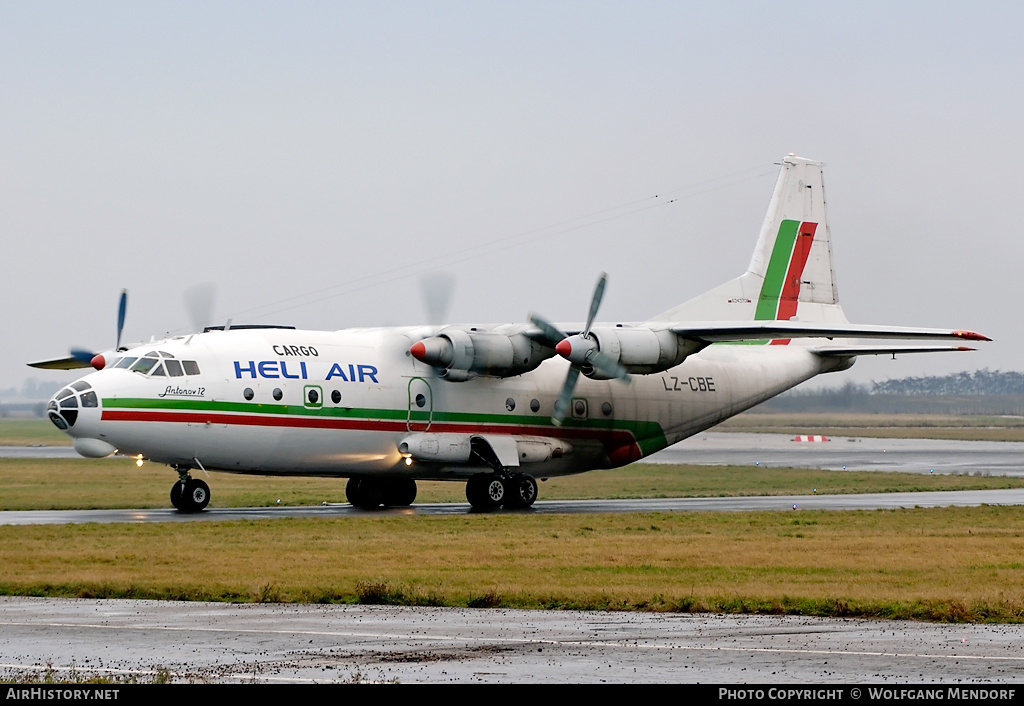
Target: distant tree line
x,y
981,392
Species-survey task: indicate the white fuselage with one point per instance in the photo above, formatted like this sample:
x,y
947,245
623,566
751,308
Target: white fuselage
x,y
283,401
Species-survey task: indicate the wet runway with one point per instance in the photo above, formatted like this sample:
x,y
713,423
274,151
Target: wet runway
x,y
865,501
995,458
223,642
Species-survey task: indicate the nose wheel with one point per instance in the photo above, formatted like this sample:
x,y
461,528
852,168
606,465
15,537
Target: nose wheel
x,y
190,494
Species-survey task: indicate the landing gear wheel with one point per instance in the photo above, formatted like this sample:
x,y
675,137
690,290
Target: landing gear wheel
x,y
176,496
497,491
364,493
195,496
475,492
399,492
522,491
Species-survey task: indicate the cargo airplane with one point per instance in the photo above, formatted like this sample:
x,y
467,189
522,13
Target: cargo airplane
x,y
491,406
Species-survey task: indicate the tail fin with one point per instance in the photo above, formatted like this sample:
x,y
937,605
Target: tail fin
x,y
790,275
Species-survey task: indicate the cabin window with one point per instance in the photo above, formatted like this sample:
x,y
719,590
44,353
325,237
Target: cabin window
x,y
336,397
278,394
313,396
421,400
247,393
510,404
534,405
606,409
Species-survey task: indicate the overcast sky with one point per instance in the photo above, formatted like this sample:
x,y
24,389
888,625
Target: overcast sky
x,y
315,158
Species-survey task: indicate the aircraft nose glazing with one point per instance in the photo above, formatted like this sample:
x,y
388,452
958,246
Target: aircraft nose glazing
x,y
64,407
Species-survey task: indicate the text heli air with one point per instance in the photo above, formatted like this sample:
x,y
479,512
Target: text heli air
x,y
495,407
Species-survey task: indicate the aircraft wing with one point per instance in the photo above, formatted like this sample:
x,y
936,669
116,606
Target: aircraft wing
x,y
850,351
733,331
68,363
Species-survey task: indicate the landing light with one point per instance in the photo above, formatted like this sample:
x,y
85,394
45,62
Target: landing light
x,y
138,461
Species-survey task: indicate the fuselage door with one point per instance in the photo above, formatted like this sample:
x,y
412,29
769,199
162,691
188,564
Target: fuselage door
x,y
421,405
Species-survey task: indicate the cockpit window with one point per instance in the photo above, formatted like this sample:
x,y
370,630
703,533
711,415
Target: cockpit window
x,y
81,385
89,399
144,365
64,393
159,364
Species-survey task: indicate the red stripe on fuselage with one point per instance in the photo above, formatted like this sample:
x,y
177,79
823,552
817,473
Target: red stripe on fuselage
x,y
611,438
790,297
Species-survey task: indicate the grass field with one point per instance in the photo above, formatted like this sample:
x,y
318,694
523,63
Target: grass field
x,y
31,432
954,564
944,564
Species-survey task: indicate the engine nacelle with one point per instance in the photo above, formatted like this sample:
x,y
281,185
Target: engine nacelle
x,y
461,355
643,351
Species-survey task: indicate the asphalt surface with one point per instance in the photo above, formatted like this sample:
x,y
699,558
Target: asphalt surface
x,y
866,501
199,642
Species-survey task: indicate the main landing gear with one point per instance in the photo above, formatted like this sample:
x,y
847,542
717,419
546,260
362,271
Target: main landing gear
x,y
189,494
371,493
490,491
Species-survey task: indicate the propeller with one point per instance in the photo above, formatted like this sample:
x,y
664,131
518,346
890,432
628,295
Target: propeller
x,y
581,350
437,289
199,303
96,360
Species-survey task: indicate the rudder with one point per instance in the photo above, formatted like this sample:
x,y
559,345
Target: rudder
x,y
790,274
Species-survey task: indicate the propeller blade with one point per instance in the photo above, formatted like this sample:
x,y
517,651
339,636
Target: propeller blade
x,y
82,355
437,289
199,303
122,310
552,335
607,366
595,302
562,404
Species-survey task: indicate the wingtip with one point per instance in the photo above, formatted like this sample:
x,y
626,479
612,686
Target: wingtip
x,y
971,336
